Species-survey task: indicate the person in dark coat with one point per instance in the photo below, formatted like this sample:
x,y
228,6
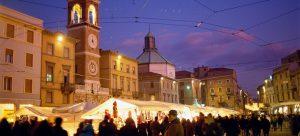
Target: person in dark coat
x,y
174,128
57,129
142,128
155,127
280,122
255,127
199,125
106,128
79,129
87,129
265,125
44,129
164,125
189,128
129,129
5,128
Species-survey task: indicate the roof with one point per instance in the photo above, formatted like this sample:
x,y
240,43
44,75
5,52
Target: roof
x,y
183,74
150,52
216,72
152,56
14,14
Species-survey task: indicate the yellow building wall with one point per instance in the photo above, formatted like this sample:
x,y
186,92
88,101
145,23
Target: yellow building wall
x,y
107,71
59,62
221,96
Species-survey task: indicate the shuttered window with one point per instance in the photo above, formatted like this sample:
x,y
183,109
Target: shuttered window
x,y
28,86
9,56
10,31
29,60
30,36
7,83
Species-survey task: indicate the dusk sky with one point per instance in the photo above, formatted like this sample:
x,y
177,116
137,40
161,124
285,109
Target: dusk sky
x,y
173,21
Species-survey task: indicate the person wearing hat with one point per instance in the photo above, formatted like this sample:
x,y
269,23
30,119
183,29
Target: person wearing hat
x,y
174,128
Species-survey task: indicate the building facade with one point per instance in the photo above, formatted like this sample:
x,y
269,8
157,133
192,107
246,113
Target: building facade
x,y
58,69
220,87
83,17
119,74
152,61
156,74
20,61
154,86
189,88
286,85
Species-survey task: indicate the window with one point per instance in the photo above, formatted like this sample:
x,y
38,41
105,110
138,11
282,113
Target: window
x,y
128,84
66,52
7,83
152,85
49,97
66,75
9,56
50,72
172,98
228,90
134,85
65,98
28,86
76,18
175,98
115,65
29,60
219,82
127,69
76,68
114,82
220,89
121,67
92,14
50,49
10,31
164,96
133,70
91,18
122,82
30,36
212,91
228,81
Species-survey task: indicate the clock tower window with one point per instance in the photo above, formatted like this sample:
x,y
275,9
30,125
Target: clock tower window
x,y
92,14
76,14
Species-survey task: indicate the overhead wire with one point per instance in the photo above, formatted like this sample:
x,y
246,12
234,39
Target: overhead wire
x,y
42,4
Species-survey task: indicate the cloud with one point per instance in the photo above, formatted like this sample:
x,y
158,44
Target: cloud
x,y
132,42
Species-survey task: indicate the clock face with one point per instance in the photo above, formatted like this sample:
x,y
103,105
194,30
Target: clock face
x,y
93,67
92,41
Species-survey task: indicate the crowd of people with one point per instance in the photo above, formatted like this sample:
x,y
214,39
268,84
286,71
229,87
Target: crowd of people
x,y
252,125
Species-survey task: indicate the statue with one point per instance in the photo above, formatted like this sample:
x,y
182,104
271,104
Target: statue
x,y
115,110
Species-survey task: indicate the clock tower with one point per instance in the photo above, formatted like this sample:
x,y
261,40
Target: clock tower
x,y
83,25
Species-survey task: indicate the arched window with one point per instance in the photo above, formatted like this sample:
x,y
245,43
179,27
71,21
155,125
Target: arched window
x,y
92,14
76,20
91,18
76,14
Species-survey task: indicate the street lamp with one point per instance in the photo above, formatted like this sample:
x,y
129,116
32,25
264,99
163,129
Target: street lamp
x,y
119,56
188,87
60,38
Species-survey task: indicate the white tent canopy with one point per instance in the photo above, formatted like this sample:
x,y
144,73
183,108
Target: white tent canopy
x,y
136,106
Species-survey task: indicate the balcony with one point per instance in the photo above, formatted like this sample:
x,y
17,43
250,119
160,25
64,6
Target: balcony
x,y
135,95
116,92
67,88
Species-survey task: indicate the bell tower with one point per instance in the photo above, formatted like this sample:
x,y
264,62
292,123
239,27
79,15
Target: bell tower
x,y
83,24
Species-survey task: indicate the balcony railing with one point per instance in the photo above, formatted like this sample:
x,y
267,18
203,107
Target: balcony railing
x,y
116,92
135,94
67,88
